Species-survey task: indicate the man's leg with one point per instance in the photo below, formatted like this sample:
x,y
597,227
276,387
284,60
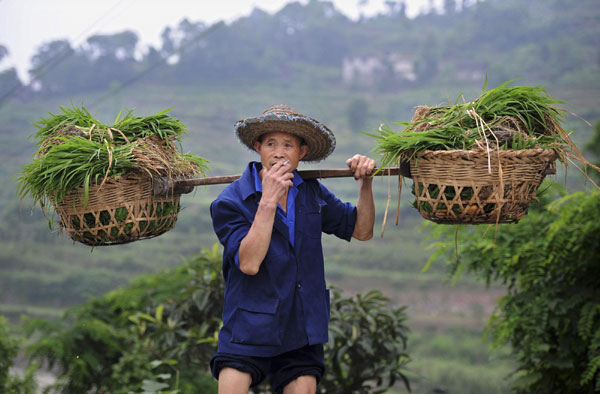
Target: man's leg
x,y
298,371
232,381
302,385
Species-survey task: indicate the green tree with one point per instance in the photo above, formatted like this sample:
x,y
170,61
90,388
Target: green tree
x,y
120,45
59,69
3,52
9,348
9,82
551,312
366,352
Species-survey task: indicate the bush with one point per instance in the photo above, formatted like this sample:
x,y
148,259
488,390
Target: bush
x,y
9,348
157,333
366,351
551,313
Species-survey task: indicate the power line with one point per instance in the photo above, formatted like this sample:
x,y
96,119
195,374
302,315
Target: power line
x,y
159,63
58,58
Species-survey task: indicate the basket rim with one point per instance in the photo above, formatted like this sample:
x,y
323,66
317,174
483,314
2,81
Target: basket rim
x,y
495,152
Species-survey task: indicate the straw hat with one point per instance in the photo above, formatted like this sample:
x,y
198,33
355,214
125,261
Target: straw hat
x,y
281,118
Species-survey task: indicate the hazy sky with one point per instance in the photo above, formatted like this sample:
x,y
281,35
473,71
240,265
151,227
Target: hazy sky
x,y
26,24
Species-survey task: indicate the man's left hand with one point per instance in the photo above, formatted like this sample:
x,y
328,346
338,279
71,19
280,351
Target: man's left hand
x,y
361,166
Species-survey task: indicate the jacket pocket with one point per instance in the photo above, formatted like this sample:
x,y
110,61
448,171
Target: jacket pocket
x,y
256,323
313,219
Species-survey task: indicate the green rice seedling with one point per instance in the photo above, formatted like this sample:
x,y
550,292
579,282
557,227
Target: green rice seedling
x,y
505,118
530,104
78,151
160,124
75,116
468,125
124,130
70,163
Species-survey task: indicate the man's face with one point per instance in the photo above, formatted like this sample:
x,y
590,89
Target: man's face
x,y
278,146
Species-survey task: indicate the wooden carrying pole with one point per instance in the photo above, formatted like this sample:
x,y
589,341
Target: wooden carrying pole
x,y
165,185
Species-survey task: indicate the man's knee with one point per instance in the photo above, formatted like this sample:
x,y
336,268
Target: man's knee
x,y
306,384
232,381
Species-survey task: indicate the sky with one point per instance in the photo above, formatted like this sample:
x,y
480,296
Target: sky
x,y
27,24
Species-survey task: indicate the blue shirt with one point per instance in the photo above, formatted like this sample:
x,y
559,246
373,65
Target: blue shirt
x,y
286,304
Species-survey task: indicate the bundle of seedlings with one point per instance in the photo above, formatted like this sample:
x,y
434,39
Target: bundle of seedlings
x,y
99,178
480,161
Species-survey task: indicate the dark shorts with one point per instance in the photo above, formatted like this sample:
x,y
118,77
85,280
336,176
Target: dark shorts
x,y
280,370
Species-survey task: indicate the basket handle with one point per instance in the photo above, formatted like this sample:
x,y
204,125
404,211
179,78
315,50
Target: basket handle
x,y
163,186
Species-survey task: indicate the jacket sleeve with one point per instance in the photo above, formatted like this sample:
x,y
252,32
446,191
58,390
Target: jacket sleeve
x,y
230,225
338,217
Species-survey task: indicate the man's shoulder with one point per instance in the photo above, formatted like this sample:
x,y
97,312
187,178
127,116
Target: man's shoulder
x,y
315,187
230,192
234,189
311,184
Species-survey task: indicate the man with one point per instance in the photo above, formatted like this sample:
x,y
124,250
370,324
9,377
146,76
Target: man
x,y
270,222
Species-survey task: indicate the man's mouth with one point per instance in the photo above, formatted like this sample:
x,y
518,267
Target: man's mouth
x,y
282,161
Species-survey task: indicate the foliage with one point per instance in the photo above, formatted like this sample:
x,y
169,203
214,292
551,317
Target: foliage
x,y
9,82
550,315
155,333
9,348
158,335
366,351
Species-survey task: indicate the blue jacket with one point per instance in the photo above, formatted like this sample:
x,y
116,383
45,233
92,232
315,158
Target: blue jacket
x,y
286,304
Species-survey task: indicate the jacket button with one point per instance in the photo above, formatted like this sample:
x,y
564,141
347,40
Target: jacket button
x,y
299,285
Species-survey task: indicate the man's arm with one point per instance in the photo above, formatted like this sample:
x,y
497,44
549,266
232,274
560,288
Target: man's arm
x,y
362,167
255,244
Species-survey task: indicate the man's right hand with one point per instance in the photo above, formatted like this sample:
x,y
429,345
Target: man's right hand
x,y
276,181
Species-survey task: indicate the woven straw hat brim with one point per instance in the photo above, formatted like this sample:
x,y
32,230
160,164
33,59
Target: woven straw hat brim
x,y
320,140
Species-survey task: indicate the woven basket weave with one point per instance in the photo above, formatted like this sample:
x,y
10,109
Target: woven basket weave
x,y
457,187
121,211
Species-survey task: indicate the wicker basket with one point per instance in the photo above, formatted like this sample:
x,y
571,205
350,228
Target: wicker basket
x,y
456,187
120,211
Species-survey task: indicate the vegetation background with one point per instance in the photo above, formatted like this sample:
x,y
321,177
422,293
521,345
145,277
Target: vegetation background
x,y
351,75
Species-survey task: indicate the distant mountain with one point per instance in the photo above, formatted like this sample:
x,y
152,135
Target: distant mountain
x,y
539,40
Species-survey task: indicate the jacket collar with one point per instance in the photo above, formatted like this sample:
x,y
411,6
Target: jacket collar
x,y
246,181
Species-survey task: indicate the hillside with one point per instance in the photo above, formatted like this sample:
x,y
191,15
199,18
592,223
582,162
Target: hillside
x,y
323,64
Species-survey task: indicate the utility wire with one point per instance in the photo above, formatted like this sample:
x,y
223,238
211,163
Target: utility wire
x,y
161,62
58,58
